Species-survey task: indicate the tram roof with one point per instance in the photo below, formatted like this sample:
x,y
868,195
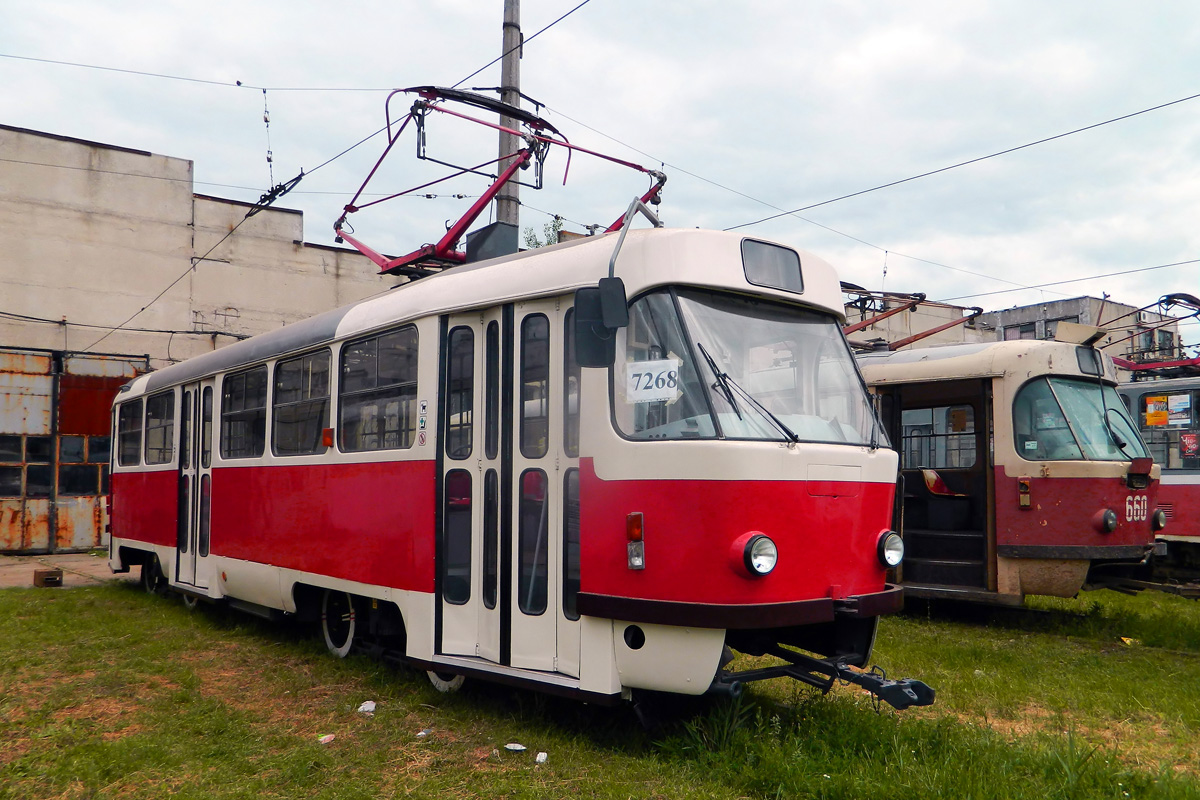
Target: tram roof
x,y
1024,357
648,258
1159,385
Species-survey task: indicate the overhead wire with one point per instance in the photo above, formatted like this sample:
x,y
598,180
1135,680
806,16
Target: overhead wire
x,y
967,162
1075,280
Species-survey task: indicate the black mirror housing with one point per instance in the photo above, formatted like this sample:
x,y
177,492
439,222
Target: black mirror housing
x,y
595,343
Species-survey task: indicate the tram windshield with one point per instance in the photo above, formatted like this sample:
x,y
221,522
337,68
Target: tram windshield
x,y
1071,419
700,364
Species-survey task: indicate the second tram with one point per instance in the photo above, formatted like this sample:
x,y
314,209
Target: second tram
x,y
1168,416
1022,471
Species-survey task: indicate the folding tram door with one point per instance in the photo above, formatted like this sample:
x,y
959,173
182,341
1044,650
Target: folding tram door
x,y
500,555
195,483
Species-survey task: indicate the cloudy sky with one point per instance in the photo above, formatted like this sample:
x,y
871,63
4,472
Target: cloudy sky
x,y
754,108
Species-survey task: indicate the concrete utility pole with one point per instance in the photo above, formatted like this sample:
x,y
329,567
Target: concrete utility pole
x,y
508,204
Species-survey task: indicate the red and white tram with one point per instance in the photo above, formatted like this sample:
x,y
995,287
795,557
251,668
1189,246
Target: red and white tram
x,y
1168,417
433,469
1022,471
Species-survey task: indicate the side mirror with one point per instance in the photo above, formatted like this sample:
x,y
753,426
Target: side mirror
x,y
614,306
595,340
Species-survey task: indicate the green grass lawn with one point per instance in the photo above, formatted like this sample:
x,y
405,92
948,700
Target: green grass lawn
x,y
109,692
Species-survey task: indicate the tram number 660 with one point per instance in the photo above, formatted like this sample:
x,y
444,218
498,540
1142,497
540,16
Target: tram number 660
x,y
1136,506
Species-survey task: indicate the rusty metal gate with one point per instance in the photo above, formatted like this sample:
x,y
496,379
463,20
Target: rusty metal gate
x,y
55,434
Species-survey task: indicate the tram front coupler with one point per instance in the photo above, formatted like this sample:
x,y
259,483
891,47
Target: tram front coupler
x,y
824,673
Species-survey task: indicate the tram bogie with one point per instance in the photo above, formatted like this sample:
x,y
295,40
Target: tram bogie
x,y
1022,472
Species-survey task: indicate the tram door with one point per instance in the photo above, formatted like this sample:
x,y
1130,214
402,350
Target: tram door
x,y
501,537
195,483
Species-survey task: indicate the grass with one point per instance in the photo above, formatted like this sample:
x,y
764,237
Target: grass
x,y
108,692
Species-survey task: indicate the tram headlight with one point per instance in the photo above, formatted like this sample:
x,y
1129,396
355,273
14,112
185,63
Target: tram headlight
x,y
1105,521
760,555
1158,520
890,549
753,555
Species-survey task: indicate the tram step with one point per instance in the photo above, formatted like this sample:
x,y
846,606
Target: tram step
x,y
945,545
969,572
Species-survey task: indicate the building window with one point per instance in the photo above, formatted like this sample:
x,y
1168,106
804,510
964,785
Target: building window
x,y
301,405
378,392
160,428
1052,325
1026,330
82,465
244,414
129,434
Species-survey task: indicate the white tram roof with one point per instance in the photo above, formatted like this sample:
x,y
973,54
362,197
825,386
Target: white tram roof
x,y
1018,358
648,258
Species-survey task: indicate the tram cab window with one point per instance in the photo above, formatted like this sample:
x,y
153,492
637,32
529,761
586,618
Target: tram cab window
x,y
301,405
129,434
1069,419
377,405
160,428
244,414
766,370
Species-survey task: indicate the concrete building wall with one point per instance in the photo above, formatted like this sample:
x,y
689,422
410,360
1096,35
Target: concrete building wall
x,y
1126,325
90,235
924,317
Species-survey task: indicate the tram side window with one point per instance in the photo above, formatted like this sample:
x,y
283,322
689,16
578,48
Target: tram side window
x,y
1169,424
571,544
244,414
456,556
491,396
378,392
160,428
460,392
301,405
939,438
535,385
571,376
532,530
129,434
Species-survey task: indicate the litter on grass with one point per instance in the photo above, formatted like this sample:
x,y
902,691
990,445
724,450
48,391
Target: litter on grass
x,y
541,758
326,739
516,747
368,707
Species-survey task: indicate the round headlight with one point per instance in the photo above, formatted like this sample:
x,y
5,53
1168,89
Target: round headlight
x,y
1159,520
1105,521
890,549
760,555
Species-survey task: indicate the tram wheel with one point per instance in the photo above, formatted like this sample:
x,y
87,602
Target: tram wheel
x,y
153,580
338,622
445,682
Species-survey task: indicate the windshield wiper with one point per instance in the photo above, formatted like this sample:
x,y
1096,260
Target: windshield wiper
x,y
728,385
723,381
